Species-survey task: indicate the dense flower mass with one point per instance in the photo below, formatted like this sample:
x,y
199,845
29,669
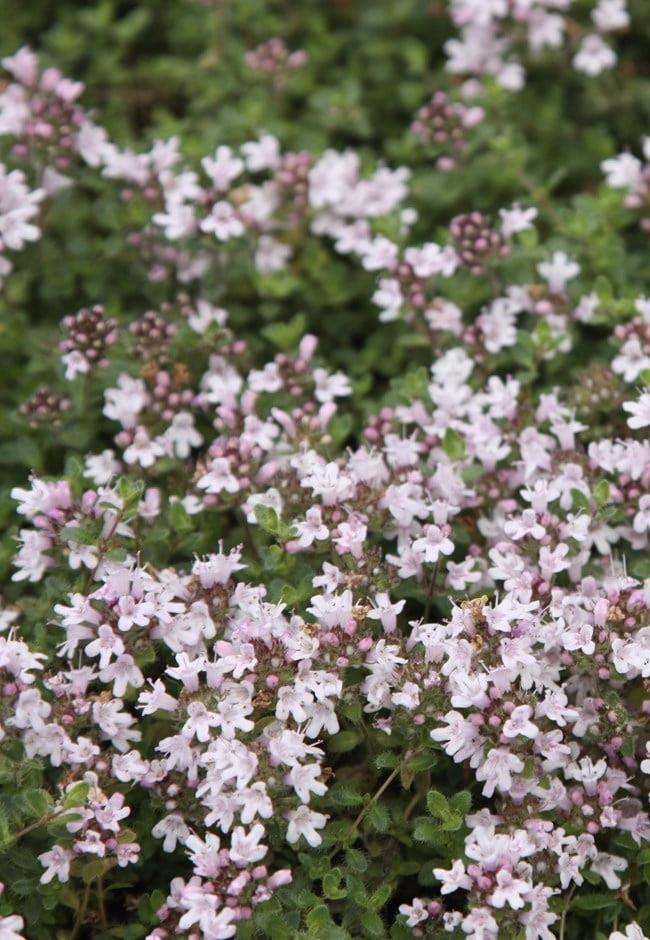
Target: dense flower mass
x,y
315,629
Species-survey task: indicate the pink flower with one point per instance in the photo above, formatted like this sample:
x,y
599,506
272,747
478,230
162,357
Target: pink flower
x,y
454,879
123,672
496,770
56,863
433,544
172,829
509,890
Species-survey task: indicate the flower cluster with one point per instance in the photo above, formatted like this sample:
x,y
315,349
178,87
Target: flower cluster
x,y
290,649
629,173
442,125
474,487
89,336
273,58
18,208
493,33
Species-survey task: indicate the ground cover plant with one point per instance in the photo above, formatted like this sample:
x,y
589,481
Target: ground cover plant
x,y
325,471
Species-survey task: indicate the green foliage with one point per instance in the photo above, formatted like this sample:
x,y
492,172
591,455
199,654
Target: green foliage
x,y
157,68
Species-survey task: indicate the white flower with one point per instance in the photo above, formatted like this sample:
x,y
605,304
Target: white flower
x,y
219,477
623,171
594,56
101,468
172,829
304,779
558,271
223,168
244,846
304,822
182,434
640,411
57,864
610,15
9,927
205,314
330,386
516,219
18,206
433,544
122,673
262,154
271,255
415,912
632,932
453,879
223,222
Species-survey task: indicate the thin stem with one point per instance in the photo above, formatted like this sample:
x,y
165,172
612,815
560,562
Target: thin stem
x,y
417,796
413,802
104,548
429,600
565,912
23,832
250,539
541,198
81,913
101,902
357,822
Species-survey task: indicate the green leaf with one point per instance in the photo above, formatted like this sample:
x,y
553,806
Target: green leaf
x,y
601,493
461,802
424,761
83,534
639,568
317,919
356,889
331,932
386,760
411,386
380,897
92,870
580,501
332,887
267,519
378,818
373,925
453,445
356,861
426,830
272,922
343,741
130,491
76,795
595,902
437,804
342,794
286,335
179,517
38,802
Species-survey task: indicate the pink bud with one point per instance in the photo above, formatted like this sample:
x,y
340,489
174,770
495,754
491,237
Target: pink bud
x,y
280,878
